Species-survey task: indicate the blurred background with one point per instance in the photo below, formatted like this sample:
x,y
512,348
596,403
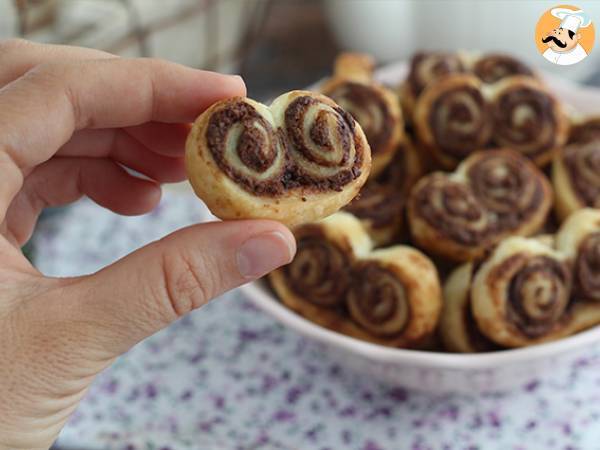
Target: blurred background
x,y
283,44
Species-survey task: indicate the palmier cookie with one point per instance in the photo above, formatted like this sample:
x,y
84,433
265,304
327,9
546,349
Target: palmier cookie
x,y
579,238
493,67
523,294
528,118
492,194
453,119
390,296
373,106
576,177
296,161
426,68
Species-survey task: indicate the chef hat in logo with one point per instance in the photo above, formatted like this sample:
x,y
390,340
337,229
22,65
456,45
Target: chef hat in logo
x,y
571,20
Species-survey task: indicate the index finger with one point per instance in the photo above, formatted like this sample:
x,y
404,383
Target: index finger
x,y
40,111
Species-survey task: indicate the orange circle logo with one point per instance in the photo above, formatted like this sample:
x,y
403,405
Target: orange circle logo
x,y
564,35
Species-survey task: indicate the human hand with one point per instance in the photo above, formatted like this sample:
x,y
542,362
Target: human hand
x,y
69,119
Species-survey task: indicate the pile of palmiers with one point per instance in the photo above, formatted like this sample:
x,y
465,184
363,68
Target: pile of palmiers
x,y
478,227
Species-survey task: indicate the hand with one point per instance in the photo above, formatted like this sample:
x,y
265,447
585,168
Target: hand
x,y
70,118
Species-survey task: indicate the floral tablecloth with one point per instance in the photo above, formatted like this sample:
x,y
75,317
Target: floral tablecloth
x,y
229,377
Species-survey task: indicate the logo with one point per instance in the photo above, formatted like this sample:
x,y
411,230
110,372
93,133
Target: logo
x,y
564,35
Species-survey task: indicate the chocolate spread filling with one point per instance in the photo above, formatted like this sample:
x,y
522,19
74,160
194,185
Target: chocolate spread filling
x,y
524,136
507,187
538,293
319,271
460,210
448,116
360,100
377,302
587,268
382,201
494,67
441,64
583,165
585,132
259,145
257,150
294,119
381,204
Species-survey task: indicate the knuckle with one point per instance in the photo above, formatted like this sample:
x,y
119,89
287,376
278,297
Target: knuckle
x,y
156,63
187,284
8,46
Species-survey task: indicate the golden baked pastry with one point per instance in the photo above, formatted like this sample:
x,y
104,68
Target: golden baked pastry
x,y
576,169
426,68
528,118
492,194
389,296
458,330
522,294
453,119
493,67
579,239
299,160
375,107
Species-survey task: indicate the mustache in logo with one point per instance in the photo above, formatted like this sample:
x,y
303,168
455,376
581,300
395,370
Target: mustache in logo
x,y
556,41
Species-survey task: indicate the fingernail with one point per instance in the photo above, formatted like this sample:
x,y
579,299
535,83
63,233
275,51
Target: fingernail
x,y
261,254
237,78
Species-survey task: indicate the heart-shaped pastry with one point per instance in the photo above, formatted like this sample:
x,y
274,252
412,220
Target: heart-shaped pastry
x,y
527,290
389,296
299,160
460,114
492,194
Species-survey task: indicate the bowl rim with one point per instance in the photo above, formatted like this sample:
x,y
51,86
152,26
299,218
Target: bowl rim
x,y
266,301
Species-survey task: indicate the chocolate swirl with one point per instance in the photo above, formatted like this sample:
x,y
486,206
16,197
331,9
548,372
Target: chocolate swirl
x,y
459,121
525,119
377,300
587,268
586,131
582,162
322,145
538,293
507,186
369,109
494,67
451,208
380,203
318,272
247,148
428,67
382,200
314,149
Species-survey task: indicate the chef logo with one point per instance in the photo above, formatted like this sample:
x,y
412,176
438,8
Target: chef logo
x,y
565,35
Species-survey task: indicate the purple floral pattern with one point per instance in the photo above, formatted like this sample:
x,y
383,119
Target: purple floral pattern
x,y
229,377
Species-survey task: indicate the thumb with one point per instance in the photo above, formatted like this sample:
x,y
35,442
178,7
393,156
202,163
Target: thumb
x,y
154,286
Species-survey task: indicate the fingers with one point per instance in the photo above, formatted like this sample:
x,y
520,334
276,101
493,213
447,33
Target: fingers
x,y
158,284
123,148
164,138
23,56
64,180
40,111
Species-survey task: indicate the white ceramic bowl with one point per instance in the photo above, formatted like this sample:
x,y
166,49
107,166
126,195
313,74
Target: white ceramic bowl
x,y
435,372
